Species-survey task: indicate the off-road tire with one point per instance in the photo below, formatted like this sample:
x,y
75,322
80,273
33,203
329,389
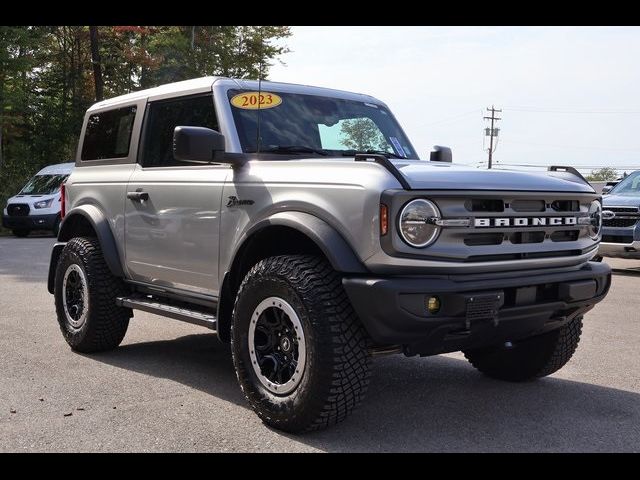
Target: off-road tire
x,y
337,371
106,323
531,357
21,232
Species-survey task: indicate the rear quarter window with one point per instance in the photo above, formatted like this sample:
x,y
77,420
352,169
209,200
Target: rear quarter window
x,y
108,134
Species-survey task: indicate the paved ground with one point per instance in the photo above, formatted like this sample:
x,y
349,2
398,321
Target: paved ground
x,y
171,387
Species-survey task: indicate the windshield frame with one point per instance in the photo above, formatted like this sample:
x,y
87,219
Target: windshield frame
x,y
230,129
625,181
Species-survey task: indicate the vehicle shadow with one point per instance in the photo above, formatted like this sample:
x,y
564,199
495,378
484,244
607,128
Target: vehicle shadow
x,y
424,404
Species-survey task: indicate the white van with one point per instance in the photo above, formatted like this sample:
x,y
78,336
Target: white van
x,y
37,206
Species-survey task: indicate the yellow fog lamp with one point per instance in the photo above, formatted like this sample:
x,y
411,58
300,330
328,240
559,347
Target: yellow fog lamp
x,y
433,304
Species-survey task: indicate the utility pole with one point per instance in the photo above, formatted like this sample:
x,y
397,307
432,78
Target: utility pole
x,y
492,132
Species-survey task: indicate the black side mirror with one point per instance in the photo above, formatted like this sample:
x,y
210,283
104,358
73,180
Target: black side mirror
x,y
196,144
606,189
441,154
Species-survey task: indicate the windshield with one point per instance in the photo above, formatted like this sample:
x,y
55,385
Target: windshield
x,y
43,185
630,186
295,123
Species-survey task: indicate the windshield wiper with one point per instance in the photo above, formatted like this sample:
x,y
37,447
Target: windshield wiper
x,y
294,149
349,153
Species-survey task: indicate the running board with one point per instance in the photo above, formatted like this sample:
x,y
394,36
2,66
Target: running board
x,y
168,309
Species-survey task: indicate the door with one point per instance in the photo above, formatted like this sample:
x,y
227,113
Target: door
x,y
172,209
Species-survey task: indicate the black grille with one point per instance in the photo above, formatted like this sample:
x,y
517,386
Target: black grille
x,y
527,237
566,205
528,205
565,236
619,222
484,205
18,209
622,209
617,239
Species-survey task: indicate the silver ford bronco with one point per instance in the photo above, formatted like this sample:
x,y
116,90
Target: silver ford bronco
x,y
301,226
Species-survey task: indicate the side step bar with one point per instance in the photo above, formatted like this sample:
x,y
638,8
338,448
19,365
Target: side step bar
x,y
167,309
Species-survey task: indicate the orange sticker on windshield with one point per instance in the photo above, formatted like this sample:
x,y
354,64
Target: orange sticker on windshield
x,y
255,100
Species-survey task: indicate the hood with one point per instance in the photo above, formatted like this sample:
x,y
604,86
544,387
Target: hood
x,y
620,201
425,175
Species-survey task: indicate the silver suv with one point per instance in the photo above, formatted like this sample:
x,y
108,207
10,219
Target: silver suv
x,y
300,225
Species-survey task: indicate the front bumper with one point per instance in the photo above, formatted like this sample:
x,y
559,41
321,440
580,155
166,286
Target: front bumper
x,y
30,222
476,310
620,250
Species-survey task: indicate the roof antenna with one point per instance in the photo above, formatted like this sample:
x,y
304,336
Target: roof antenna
x,y
259,97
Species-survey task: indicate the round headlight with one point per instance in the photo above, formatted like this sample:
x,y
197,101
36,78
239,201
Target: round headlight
x,y
595,219
417,226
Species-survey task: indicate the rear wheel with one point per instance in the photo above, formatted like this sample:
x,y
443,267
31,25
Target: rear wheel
x,y
21,232
85,296
300,351
528,358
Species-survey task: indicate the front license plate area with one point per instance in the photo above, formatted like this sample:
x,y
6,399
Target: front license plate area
x,y
484,307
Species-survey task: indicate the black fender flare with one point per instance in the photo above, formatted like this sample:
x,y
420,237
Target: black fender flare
x,y
100,224
334,247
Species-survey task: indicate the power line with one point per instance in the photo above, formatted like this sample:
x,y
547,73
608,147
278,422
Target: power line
x,y
569,111
492,132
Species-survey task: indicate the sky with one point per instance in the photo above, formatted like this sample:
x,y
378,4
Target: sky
x,y
569,95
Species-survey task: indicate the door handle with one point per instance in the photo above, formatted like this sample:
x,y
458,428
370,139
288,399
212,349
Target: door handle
x,y
138,196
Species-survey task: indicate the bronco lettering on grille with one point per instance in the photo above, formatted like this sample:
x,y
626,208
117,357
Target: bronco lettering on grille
x,y
524,221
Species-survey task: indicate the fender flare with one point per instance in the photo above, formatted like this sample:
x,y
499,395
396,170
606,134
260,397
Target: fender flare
x,y
333,245
101,226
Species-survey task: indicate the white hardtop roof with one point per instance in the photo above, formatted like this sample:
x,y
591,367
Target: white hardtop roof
x,y
205,83
58,169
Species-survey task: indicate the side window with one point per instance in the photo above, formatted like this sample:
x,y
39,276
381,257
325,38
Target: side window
x,y
164,116
108,134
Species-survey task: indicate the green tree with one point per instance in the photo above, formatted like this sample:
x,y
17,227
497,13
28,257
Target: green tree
x,y
49,75
362,134
604,174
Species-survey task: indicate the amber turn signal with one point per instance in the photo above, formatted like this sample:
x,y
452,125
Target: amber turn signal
x,y
384,219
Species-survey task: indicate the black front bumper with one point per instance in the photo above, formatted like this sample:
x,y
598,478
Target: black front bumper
x,y
30,222
476,310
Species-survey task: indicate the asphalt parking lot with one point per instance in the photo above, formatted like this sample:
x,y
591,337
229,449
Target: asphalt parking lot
x,y
171,387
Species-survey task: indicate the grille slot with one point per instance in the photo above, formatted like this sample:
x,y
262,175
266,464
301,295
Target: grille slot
x,y
528,206
484,205
522,256
619,222
566,205
18,209
622,209
565,236
478,239
527,237
617,238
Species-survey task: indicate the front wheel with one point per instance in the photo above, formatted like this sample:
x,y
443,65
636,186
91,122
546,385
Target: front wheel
x,y
531,357
299,350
